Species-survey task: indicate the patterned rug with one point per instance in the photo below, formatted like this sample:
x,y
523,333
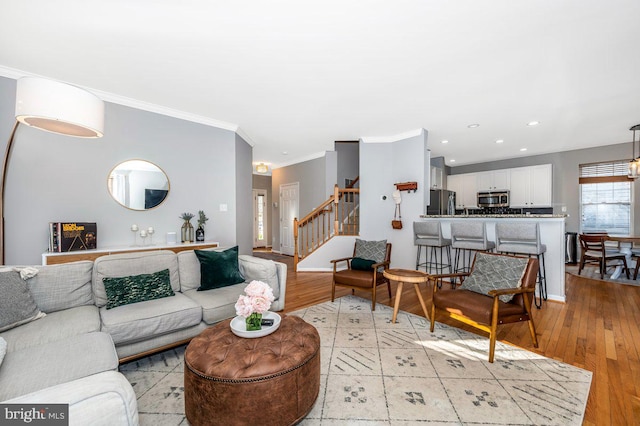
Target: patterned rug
x,y
375,372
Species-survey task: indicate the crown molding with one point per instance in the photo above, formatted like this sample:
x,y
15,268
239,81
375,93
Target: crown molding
x,y
393,138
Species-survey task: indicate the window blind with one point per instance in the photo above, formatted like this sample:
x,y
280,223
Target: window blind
x,y
610,171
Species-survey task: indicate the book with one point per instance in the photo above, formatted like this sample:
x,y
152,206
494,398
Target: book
x,y
72,236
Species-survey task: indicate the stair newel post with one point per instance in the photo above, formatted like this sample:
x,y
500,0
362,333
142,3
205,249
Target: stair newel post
x,y
295,244
336,199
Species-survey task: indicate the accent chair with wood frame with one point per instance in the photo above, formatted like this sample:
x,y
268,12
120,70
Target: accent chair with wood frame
x,y
368,279
487,311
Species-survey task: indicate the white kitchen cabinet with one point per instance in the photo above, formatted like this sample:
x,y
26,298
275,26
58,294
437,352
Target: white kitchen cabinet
x,y
531,186
437,178
493,180
465,187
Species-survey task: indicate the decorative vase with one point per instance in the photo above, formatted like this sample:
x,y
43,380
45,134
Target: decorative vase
x,y
200,234
254,322
187,232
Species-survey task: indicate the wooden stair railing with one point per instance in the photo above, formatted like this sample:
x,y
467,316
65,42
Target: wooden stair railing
x,y
339,215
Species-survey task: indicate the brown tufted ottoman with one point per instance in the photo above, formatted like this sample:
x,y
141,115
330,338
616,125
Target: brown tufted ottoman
x,y
271,380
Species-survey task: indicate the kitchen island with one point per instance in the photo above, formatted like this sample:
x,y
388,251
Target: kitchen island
x,y
551,234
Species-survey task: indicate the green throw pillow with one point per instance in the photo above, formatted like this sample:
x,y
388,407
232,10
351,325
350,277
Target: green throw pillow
x,y
360,264
137,288
218,268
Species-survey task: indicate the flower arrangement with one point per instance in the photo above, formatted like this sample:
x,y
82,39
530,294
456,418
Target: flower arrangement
x,y
186,216
255,302
202,219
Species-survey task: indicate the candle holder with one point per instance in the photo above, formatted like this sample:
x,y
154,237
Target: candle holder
x,y
134,229
150,231
143,235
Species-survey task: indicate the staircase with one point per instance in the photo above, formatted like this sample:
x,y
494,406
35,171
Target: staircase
x,y
339,215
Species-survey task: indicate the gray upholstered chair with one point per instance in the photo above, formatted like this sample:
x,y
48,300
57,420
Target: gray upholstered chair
x,y
466,237
524,238
428,234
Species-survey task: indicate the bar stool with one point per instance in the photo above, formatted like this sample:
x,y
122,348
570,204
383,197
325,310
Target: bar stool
x,y
524,238
429,235
467,237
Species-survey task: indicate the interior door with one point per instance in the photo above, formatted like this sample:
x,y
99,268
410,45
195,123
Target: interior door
x,y
260,218
288,211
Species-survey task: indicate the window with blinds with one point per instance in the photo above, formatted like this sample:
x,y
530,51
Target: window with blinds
x,y
605,197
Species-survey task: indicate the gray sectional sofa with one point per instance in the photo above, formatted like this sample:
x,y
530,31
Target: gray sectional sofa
x,y
72,354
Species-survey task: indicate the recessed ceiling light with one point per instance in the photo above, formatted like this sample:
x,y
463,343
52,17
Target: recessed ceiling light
x,y
445,141
500,141
533,123
473,126
284,153
523,149
452,161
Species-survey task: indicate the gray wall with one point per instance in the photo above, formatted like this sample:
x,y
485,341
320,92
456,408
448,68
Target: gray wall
x,y
314,188
565,175
59,178
381,166
264,182
348,161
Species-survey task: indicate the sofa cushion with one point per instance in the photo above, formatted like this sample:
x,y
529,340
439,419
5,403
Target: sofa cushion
x,y
17,306
52,363
218,268
218,304
256,269
126,264
137,288
140,321
64,286
57,325
491,272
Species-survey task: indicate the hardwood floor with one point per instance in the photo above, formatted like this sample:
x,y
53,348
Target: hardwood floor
x,y
598,329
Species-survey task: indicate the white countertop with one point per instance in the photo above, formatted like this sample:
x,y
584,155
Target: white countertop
x,y
494,216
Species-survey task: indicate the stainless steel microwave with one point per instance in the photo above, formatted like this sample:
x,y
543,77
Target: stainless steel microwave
x,y
493,199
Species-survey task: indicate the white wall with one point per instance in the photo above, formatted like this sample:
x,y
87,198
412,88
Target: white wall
x,y
381,166
59,178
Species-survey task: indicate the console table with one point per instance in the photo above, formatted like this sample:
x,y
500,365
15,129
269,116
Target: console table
x,y
74,256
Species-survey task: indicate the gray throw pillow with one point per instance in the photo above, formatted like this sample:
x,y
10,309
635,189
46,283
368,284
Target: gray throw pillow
x,y
371,250
17,306
492,272
3,349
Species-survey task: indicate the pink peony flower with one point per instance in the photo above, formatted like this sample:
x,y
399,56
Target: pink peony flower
x,y
258,299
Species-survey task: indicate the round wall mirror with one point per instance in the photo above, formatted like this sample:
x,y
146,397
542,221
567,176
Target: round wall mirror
x,y
138,184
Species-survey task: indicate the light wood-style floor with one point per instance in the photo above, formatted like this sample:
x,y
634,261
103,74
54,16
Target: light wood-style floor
x,y
598,329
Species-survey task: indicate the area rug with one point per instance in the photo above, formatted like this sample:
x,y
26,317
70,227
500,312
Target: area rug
x,y
374,372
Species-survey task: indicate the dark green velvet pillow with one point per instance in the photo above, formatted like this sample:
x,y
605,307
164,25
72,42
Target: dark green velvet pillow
x,y
218,268
360,264
137,288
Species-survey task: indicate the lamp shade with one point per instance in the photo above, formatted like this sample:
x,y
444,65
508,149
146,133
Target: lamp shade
x,y
59,108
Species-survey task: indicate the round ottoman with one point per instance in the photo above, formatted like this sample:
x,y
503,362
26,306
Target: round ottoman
x,y
271,380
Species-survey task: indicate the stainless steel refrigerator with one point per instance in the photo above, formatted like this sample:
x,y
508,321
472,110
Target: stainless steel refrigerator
x,y
442,202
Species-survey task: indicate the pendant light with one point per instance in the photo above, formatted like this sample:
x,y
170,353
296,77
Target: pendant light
x,y
634,164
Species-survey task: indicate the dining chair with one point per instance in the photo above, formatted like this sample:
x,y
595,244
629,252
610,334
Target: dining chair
x,y
594,251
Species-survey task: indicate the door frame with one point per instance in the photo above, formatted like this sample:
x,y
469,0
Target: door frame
x,y
256,242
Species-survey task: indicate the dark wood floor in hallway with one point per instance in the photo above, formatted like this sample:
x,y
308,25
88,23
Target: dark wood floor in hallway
x,y
598,329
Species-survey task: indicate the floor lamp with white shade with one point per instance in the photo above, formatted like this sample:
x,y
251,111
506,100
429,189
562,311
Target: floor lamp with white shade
x,y
55,107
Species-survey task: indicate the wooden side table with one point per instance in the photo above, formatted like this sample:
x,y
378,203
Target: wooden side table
x,y
402,276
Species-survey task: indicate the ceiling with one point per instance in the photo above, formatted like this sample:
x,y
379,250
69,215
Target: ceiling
x,y
295,76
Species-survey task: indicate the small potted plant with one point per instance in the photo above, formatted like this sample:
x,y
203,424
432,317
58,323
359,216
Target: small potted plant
x,y
187,228
202,220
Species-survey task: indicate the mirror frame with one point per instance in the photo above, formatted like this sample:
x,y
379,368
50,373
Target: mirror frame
x,y
109,186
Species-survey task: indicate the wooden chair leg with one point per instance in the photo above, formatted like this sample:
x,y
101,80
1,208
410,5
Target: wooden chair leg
x,y
433,316
333,289
635,272
582,260
373,297
494,329
532,327
626,268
